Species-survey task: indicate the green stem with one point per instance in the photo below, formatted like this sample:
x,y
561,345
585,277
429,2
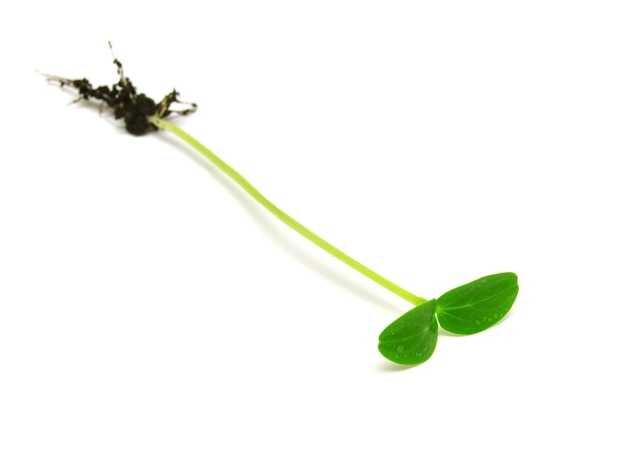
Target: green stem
x,y
282,216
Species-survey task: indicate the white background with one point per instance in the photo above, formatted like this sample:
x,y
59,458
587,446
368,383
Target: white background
x,y
153,316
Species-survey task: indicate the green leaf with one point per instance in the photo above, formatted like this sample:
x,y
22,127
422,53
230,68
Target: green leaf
x,y
411,339
477,305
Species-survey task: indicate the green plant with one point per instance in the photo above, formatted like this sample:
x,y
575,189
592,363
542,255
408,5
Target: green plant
x,y
468,309
409,340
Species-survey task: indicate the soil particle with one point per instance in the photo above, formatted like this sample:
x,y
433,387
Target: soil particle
x,y
122,98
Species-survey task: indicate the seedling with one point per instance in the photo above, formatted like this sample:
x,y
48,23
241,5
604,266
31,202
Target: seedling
x,y
409,340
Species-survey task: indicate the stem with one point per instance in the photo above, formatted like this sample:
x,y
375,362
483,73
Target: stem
x,y
282,216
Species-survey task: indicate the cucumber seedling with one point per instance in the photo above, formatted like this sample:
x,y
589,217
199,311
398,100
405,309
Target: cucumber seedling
x,y
409,340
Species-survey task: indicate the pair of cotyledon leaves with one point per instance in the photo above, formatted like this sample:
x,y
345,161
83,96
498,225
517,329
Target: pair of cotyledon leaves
x,y
468,309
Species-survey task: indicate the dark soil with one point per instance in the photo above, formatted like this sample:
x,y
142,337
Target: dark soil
x,y
122,98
